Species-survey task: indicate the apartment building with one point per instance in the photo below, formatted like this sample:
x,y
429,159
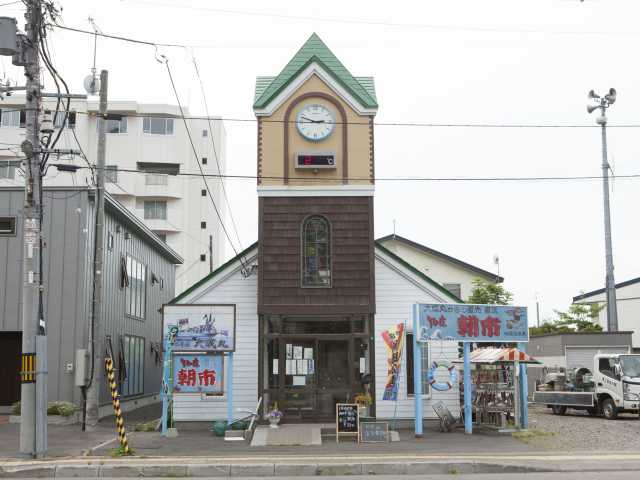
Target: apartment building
x,y
151,140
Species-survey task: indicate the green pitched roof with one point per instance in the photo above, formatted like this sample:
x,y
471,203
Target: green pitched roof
x,y
315,51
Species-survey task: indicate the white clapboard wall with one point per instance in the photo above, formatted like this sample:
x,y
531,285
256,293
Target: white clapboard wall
x,y
397,289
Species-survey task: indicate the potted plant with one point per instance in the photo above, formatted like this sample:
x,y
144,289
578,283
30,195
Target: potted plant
x,y
274,417
363,400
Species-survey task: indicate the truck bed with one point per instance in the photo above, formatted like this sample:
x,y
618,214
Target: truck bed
x,y
568,399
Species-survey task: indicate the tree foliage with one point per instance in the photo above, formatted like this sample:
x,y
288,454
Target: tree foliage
x,y
488,293
579,318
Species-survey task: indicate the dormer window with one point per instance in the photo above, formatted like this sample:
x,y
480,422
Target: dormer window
x,y
316,252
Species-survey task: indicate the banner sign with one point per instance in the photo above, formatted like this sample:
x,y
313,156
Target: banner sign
x,y
394,340
207,328
473,323
198,374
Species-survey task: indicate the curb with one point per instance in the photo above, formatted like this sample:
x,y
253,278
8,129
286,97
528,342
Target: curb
x,y
50,470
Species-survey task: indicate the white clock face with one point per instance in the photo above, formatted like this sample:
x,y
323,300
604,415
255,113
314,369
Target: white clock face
x,y
315,122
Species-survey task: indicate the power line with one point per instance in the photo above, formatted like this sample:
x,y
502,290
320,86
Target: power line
x,y
195,154
391,124
382,23
215,153
340,180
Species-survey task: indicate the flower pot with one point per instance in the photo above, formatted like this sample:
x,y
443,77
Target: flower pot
x,y
274,421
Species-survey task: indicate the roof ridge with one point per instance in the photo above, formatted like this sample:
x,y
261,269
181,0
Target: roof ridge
x,y
314,49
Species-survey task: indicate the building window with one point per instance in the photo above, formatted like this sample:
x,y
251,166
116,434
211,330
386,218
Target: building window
x,y
133,383
110,241
11,118
7,226
8,169
157,126
204,160
203,257
136,289
115,125
205,133
454,288
59,118
316,253
156,179
203,224
111,174
155,210
409,363
203,192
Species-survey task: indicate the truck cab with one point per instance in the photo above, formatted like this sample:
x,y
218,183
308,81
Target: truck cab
x,y
617,377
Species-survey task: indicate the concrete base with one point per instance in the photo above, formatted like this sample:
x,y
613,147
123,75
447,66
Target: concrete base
x,y
302,434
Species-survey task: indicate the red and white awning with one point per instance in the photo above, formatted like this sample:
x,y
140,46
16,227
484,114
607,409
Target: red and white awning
x,y
499,355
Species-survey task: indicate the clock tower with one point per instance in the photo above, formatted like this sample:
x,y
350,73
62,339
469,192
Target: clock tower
x,y
316,281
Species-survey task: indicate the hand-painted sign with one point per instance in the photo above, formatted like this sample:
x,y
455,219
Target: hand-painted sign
x,y
473,323
198,374
209,328
394,340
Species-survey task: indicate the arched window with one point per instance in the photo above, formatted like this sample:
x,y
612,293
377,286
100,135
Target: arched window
x,y
316,252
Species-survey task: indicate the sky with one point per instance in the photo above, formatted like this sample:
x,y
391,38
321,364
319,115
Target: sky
x,y
454,62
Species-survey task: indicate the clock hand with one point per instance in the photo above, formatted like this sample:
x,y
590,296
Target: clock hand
x,y
312,121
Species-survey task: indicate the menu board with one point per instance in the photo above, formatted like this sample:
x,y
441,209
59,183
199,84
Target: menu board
x,y
374,432
347,420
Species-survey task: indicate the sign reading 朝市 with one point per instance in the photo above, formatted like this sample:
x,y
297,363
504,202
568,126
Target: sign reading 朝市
x,y
197,374
472,323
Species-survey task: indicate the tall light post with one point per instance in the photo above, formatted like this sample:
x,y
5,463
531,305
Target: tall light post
x,y
602,103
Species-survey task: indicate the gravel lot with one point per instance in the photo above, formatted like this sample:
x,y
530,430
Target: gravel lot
x,y
578,431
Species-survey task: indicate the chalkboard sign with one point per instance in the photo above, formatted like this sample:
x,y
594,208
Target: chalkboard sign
x,y
347,420
374,432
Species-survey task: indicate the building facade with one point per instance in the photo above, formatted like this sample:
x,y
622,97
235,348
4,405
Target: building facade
x,y
321,292
455,275
628,303
147,149
138,275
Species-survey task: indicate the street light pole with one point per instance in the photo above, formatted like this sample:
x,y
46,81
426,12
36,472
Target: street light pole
x,y
602,103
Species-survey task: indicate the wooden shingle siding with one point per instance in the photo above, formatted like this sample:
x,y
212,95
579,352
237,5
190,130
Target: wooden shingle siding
x,y
280,252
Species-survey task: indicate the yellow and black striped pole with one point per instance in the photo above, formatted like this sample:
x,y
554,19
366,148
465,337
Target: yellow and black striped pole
x,y
122,433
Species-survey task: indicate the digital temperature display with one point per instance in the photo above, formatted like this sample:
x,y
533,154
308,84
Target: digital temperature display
x,y
315,160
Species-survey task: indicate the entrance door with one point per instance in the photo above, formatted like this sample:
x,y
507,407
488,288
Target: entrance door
x,y
10,350
334,375
317,376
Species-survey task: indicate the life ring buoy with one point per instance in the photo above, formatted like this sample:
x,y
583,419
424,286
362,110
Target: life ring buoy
x,y
453,376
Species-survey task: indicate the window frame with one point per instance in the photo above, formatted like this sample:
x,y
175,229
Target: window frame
x,y
10,166
135,302
133,358
111,173
303,245
155,202
12,113
113,121
408,365
147,129
13,221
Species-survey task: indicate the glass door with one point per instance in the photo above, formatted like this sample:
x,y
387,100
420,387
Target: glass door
x,y
334,375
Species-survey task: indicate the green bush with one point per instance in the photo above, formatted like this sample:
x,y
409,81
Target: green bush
x,y
64,409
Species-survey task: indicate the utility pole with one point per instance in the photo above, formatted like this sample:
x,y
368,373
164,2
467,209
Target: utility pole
x,y
95,331
602,103
33,404
210,253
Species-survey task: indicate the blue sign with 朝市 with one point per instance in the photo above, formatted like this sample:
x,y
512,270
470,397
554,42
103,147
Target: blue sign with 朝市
x,y
472,323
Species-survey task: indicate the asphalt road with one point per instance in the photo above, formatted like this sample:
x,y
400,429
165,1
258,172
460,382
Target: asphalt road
x,y
481,476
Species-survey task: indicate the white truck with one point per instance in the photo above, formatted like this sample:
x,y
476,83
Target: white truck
x,y
609,387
